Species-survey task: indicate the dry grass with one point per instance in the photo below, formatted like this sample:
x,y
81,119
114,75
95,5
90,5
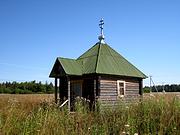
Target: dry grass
x,y
29,98
25,101
167,96
38,115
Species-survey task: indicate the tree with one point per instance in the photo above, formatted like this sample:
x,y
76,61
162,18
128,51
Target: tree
x,y
26,87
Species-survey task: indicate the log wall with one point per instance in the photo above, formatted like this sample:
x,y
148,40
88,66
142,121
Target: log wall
x,y
109,91
132,90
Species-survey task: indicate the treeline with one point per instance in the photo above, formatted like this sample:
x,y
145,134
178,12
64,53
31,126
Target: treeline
x,y
26,87
166,88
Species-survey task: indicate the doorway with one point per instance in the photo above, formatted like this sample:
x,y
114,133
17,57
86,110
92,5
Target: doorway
x,y
76,91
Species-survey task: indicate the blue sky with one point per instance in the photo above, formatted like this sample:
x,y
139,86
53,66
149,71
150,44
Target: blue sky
x,y
34,32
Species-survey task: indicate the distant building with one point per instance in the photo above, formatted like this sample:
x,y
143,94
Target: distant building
x,y
100,74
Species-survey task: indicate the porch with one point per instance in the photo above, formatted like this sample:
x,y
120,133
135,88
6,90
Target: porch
x,y
68,88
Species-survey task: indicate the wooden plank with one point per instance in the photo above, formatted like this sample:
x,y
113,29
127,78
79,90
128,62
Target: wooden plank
x,y
132,87
98,87
131,81
56,90
110,88
132,90
69,94
108,91
132,84
106,81
108,99
108,94
109,84
59,88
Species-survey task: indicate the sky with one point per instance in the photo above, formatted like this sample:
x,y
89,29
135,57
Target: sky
x,y
33,33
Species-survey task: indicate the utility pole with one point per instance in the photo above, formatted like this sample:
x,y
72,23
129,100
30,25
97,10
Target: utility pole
x,y
150,77
163,87
151,81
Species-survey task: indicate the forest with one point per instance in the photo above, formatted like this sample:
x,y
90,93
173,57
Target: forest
x,y
160,88
26,87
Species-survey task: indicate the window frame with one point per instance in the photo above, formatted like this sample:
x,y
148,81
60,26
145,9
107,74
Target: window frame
x,y
118,88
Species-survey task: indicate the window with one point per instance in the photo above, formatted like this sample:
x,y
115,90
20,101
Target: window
x,y
121,88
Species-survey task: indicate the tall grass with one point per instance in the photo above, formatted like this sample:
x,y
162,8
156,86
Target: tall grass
x,y
152,116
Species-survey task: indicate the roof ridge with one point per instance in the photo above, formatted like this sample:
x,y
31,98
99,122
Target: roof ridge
x,y
87,51
97,58
65,58
85,57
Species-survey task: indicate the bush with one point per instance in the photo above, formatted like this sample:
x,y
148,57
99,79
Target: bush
x,y
7,90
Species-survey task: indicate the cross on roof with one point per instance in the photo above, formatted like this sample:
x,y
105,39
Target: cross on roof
x,y
101,37
101,26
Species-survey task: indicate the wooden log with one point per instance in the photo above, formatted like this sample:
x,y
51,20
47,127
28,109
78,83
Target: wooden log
x,y
132,84
109,87
132,90
108,94
108,91
108,98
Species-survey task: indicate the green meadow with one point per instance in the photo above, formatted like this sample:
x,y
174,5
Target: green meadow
x,y
38,115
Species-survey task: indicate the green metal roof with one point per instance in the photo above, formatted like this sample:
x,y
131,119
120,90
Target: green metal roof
x,y
66,66
71,66
100,59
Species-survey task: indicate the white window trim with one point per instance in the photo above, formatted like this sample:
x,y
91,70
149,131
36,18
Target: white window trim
x,y
120,81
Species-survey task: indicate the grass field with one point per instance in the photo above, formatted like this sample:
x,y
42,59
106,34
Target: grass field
x,y
38,115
